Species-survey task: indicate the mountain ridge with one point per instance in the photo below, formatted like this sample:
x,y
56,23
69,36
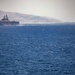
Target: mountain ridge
x,y
27,19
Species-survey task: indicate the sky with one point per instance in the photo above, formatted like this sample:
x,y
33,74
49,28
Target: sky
x,y
63,10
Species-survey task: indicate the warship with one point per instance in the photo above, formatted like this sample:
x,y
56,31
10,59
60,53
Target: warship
x,y
6,21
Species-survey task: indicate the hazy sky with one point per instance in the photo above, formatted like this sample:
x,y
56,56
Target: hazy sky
x,y
61,9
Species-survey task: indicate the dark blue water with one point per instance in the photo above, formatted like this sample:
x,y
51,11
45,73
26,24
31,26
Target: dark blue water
x,y
37,50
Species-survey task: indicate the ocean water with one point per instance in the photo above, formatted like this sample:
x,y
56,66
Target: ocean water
x,y
37,50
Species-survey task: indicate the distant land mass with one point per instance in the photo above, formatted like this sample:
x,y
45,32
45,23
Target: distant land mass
x,y
28,19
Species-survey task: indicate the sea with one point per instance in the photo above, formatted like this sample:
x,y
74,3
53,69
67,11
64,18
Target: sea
x,y
37,50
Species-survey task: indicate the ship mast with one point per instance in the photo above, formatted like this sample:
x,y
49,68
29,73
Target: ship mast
x,y
5,18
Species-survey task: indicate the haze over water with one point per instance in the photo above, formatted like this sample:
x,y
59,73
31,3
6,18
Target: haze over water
x,y
37,50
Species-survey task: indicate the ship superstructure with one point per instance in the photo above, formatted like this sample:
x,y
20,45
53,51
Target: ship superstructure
x,y
6,21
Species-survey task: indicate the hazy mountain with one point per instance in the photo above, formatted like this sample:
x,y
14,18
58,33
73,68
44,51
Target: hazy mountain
x,y
27,19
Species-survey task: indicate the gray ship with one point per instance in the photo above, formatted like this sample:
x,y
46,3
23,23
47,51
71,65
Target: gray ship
x,y
6,21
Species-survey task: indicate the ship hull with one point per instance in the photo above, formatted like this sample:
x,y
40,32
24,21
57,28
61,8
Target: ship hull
x,y
9,23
